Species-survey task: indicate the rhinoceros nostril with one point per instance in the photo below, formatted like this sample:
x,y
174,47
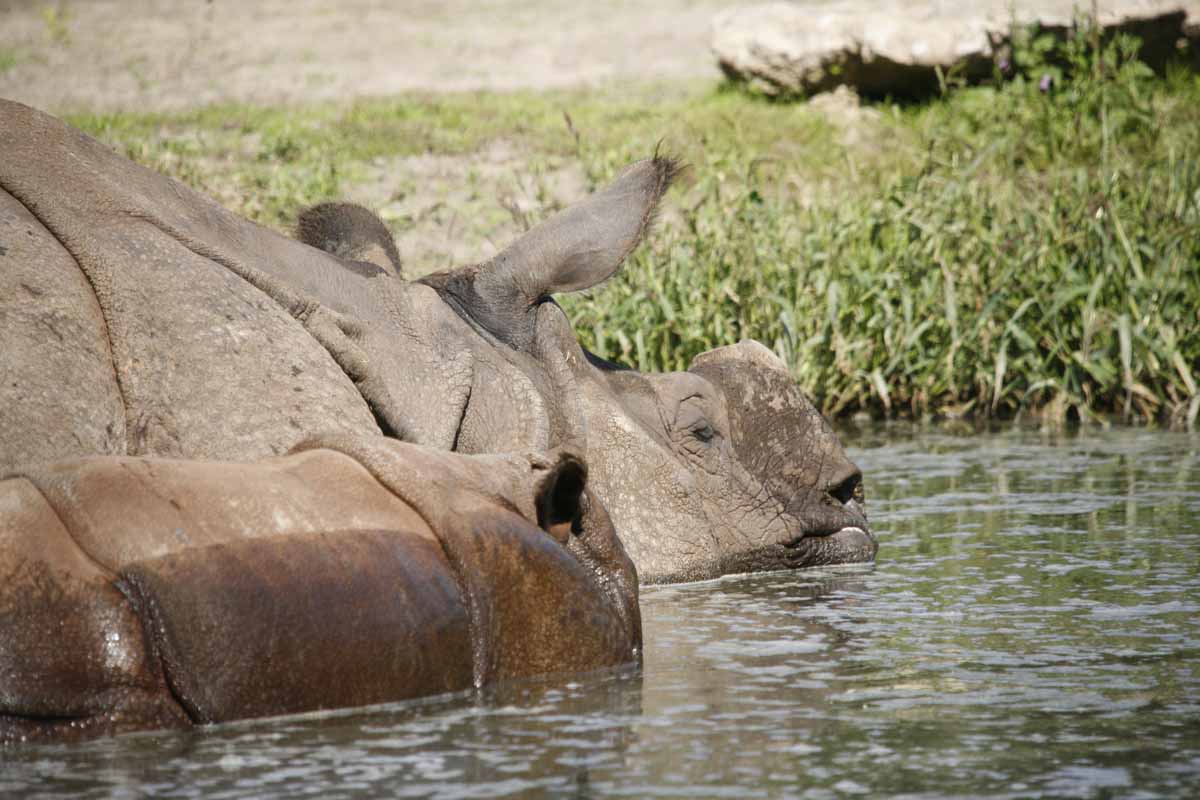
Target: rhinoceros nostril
x,y
849,488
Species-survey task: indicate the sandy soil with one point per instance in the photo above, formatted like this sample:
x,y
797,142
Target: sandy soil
x,y
140,55
70,55
136,55
67,55
450,210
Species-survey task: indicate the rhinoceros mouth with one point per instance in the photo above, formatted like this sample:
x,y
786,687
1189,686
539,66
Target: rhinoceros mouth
x,y
855,538
849,545
823,548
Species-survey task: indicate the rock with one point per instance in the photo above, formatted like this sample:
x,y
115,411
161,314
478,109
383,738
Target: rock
x,y
787,49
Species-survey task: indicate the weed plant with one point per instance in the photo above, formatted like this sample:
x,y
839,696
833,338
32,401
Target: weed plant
x,y
1031,247
1041,254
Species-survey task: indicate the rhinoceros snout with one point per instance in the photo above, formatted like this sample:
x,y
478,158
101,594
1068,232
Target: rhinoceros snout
x,y
848,489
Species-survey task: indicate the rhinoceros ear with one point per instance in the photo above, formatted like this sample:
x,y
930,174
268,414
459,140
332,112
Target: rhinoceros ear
x,y
578,247
351,232
585,244
559,492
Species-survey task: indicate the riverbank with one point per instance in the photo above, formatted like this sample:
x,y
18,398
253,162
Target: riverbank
x,y
1028,249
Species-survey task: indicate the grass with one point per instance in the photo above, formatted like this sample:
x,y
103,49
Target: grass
x,y
56,19
997,252
8,59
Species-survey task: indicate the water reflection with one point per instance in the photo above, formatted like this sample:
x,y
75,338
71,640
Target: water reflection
x,y
1031,628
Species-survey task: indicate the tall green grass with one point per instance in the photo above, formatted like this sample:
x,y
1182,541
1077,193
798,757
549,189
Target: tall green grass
x,y
995,252
1040,255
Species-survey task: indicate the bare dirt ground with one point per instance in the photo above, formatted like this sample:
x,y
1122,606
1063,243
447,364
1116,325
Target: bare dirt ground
x,y
447,210
72,55
148,55
161,55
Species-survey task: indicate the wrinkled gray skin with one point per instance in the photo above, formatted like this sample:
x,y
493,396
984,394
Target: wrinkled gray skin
x,y
724,468
187,331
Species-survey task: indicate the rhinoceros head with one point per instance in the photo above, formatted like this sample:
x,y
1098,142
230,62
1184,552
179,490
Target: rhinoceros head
x,y
721,468
724,468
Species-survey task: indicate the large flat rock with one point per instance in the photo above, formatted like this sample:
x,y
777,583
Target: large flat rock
x,y
898,47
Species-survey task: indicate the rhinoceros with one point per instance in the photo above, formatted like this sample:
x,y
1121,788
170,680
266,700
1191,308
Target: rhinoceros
x,y
141,593
145,319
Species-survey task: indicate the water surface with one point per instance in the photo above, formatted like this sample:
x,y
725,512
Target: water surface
x,y
1031,629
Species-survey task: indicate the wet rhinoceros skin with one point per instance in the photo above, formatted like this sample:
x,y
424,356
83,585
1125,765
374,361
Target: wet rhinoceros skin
x,y
186,331
147,593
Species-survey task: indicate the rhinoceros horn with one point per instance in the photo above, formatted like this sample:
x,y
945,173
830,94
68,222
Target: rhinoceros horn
x,y
577,248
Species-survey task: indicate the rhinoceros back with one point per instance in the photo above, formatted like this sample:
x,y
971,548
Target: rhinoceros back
x,y
59,395
145,592
124,329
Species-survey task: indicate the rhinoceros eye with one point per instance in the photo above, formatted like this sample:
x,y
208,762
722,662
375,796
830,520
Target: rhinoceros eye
x,y
703,432
692,421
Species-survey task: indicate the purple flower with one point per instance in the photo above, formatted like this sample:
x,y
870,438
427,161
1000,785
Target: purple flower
x,y
1046,83
1005,65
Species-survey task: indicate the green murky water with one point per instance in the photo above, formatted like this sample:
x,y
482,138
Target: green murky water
x,y
1031,629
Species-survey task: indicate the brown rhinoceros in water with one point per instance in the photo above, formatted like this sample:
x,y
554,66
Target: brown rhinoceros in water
x,y
145,319
145,593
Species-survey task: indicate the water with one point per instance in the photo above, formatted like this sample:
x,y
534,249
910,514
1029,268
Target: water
x,y
1031,629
